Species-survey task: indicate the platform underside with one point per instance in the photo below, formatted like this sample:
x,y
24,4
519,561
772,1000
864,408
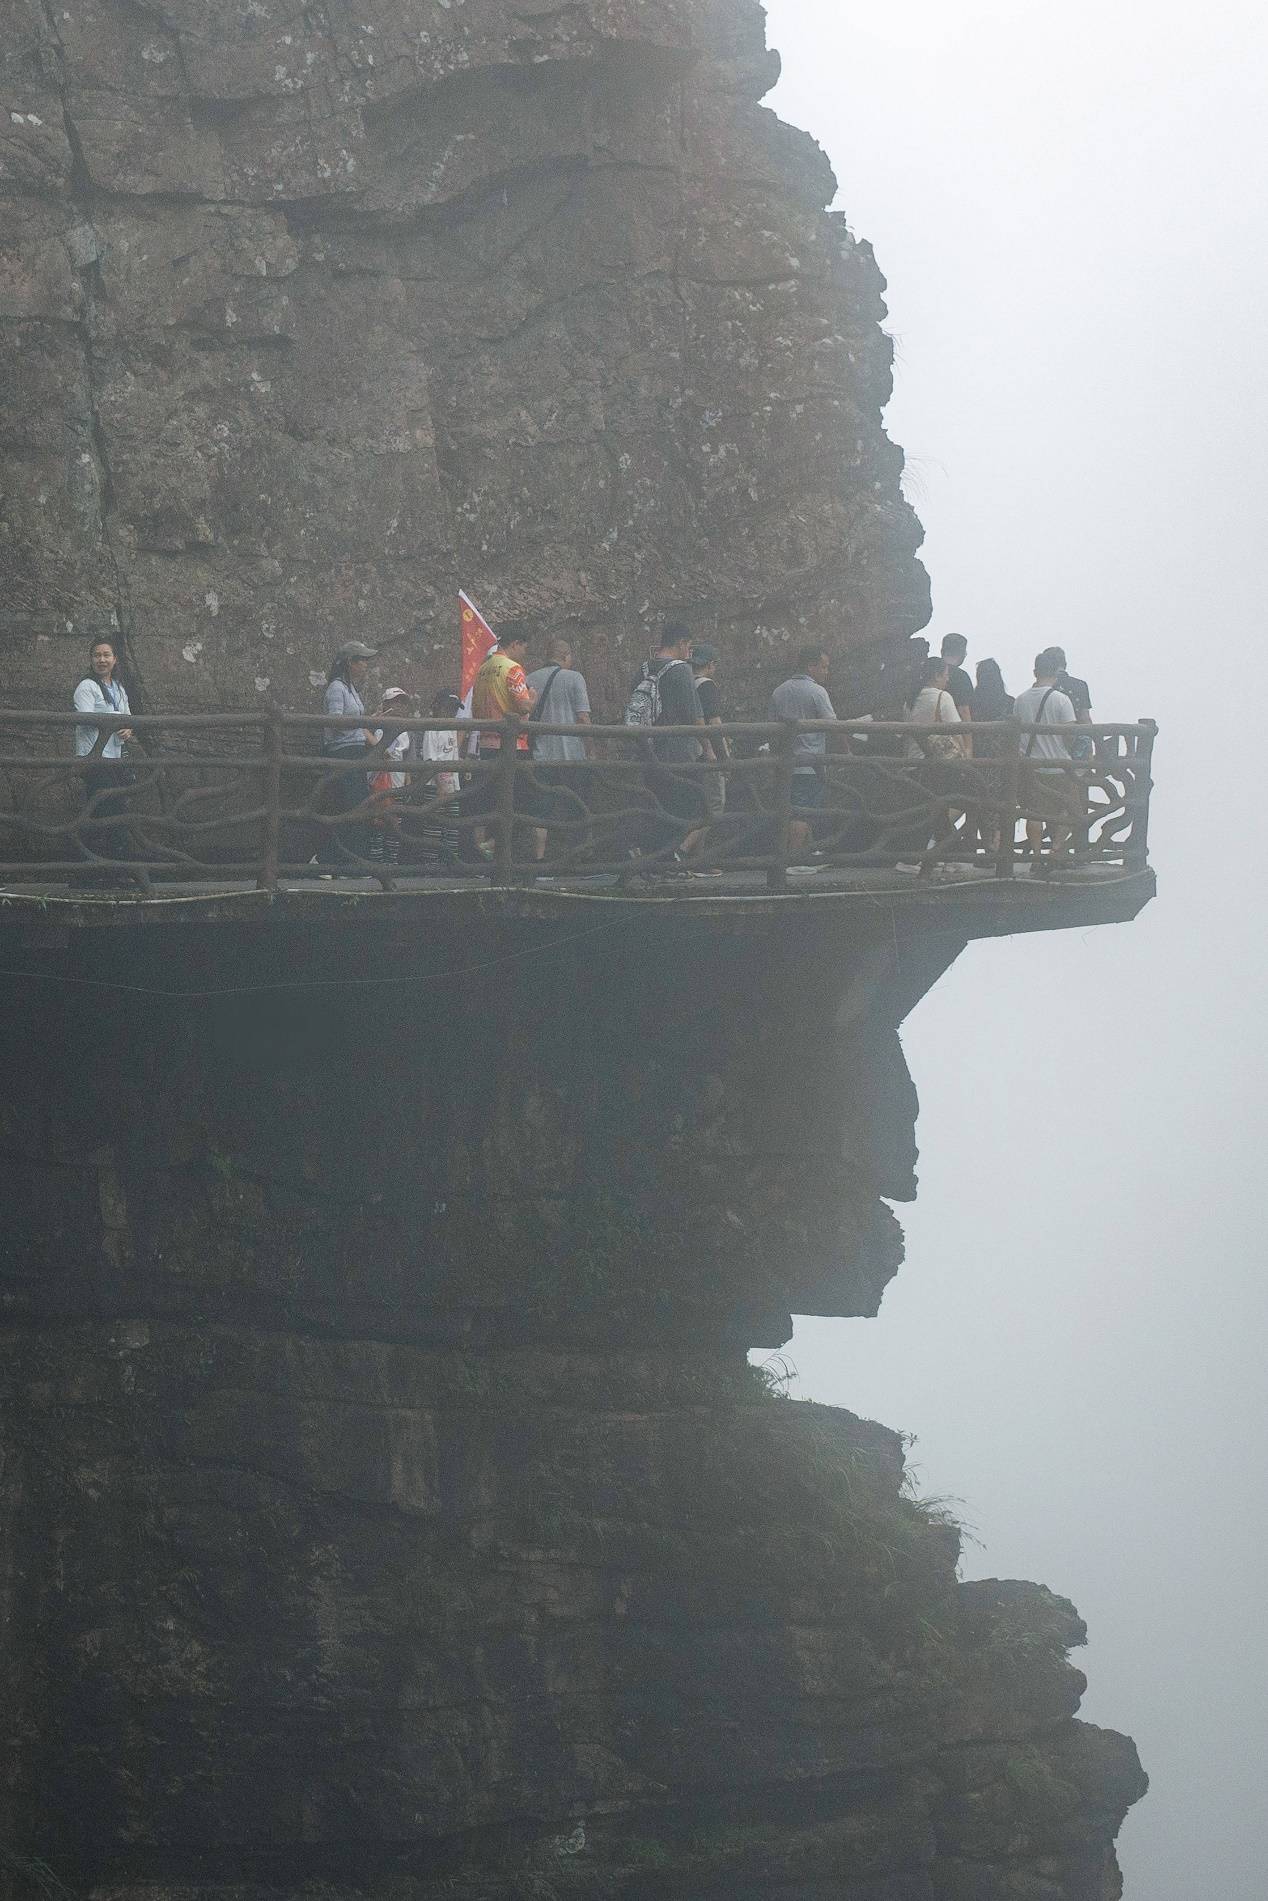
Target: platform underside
x,y
962,898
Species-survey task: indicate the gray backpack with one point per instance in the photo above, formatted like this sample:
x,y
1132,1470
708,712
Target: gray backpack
x,y
643,708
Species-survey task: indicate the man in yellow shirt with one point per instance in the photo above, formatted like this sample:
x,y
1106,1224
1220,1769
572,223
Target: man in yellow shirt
x,y
502,692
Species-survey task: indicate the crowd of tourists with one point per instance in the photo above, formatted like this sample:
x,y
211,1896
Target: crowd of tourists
x,y
673,714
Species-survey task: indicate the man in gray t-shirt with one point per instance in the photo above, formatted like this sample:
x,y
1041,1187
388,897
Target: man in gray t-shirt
x,y
805,696
562,700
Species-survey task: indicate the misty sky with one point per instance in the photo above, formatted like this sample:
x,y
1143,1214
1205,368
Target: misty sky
x,y
1069,204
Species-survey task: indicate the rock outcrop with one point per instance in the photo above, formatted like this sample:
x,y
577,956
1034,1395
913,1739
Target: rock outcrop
x,y
390,1512
387,1509
316,313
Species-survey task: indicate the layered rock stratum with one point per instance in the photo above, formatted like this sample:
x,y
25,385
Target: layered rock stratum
x,y
387,1509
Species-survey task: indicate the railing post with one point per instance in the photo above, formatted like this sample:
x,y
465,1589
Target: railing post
x,y
1137,855
271,824
1010,805
777,875
504,822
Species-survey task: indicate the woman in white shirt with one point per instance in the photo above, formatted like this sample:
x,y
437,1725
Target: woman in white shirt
x,y
346,791
441,752
106,778
943,751
934,706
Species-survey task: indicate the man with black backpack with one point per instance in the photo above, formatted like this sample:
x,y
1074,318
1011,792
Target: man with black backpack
x,y
664,694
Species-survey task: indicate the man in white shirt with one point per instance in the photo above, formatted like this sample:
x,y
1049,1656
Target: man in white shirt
x,y
1052,792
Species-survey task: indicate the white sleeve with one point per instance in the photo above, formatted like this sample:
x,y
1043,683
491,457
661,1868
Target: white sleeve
x,y
582,695
88,699
1062,710
948,711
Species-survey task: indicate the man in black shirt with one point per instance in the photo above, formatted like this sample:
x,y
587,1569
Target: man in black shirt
x,y
1080,697
704,664
1078,691
959,685
704,661
677,702
679,797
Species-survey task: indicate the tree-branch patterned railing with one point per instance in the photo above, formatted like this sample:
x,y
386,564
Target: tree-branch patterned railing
x,y
253,798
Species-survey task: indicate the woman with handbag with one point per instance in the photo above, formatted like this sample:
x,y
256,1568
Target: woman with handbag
x,y
944,751
105,775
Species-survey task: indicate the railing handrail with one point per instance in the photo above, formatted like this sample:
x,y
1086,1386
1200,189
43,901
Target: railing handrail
x,y
265,717
283,779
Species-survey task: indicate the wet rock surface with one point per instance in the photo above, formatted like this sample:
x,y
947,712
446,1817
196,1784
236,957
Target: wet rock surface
x,y
312,315
381,1523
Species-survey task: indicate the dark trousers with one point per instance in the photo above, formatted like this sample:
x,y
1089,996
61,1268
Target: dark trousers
x,y
344,792
106,785
681,808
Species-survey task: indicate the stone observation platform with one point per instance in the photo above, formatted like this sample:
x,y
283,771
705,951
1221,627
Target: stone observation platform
x,y
234,818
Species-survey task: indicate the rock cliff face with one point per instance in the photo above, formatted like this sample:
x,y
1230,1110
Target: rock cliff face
x,y
315,313
387,1509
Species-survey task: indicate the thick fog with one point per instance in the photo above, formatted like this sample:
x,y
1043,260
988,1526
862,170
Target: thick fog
x,y
1069,205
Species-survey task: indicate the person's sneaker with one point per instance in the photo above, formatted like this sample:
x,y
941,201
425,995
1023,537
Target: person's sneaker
x,y
804,871
913,869
704,871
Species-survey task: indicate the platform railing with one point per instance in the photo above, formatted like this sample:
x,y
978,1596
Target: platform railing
x,y
258,798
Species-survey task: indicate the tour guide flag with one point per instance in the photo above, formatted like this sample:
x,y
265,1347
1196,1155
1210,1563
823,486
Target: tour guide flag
x,y
478,642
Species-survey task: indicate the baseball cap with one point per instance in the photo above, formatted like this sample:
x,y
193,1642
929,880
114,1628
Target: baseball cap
x,y
703,653
395,693
357,650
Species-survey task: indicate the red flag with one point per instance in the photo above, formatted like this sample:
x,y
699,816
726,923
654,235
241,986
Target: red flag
x,y
478,642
